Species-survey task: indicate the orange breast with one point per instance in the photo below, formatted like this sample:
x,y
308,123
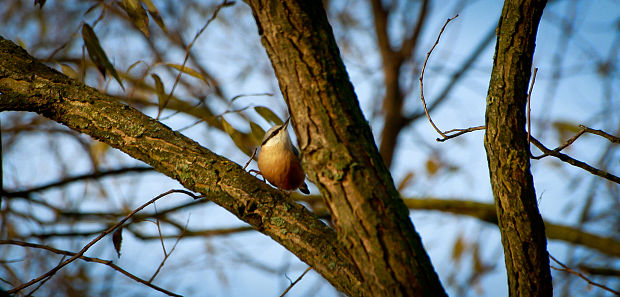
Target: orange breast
x,y
281,168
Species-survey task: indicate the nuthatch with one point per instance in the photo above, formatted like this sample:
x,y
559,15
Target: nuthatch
x,y
278,160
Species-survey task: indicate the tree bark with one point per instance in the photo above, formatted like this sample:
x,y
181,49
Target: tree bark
x,y
28,85
339,152
508,154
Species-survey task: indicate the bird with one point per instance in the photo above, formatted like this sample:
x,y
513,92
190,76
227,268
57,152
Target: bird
x,y
278,160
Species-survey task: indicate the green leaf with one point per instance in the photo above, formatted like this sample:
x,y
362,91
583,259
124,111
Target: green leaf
x,y
96,53
136,14
155,14
159,88
189,71
268,115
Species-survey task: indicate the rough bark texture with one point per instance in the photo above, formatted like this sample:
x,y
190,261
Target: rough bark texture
x,y
28,85
339,152
520,223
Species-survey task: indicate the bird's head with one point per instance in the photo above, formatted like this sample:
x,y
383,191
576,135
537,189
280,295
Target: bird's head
x,y
277,135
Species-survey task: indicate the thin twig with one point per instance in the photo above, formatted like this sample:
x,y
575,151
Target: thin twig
x,y
90,244
88,259
529,105
166,255
43,281
610,137
295,282
251,158
72,179
605,271
187,49
583,130
163,246
459,132
192,233
422,75
569,270
444,135
574,162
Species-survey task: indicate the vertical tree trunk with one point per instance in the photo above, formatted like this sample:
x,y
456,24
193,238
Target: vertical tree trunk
x,y
508,154
339,152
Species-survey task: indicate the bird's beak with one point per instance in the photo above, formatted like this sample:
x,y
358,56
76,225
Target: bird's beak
x,y
285,125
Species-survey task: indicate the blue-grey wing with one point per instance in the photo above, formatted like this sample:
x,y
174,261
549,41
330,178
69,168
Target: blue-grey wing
x,y
295,151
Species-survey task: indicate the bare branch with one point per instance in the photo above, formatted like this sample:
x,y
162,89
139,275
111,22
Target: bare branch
x,y
166,254
602,133
409,44
486,212
604,271
459,133
529,106
68,180
103,234
89,259
295,282
192,233
569,270
187,52
574,162
251,158
422,75
457,75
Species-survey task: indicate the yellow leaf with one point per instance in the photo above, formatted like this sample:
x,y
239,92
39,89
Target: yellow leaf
x,y
155,14
97,151
136,14
159,88
68,71
117,239
236,136
432,166
268,115
189,71
96,53
257,133
458,249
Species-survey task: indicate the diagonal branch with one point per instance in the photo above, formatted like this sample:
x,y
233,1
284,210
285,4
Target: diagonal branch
x,y
411,41
428,55
77,178
574,162
89,259
79,254
486,213
28,85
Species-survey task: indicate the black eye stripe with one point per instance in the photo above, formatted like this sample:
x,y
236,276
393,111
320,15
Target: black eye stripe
x,y
272,135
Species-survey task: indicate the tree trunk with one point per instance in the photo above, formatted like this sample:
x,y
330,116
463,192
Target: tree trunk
x,y
28,85
339,152
508,154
